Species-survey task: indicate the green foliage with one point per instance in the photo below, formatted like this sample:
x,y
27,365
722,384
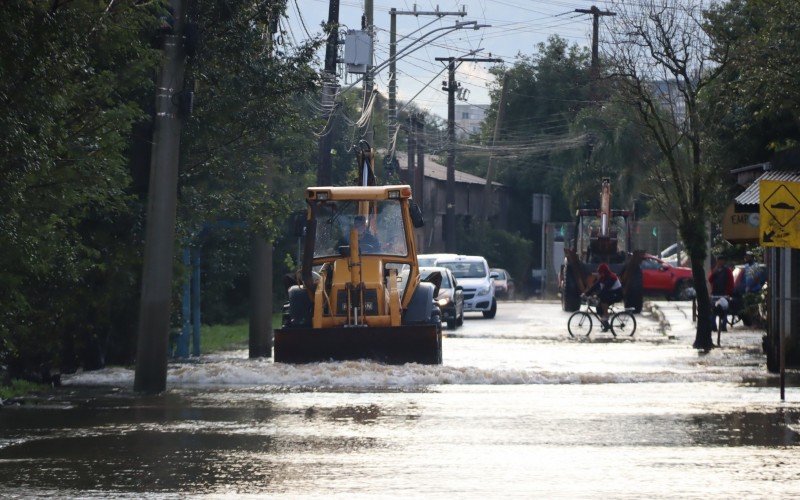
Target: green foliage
x,y
18,388
73,74
545,94
501,248
756,101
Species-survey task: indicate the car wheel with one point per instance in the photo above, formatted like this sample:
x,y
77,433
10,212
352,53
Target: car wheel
x,y
490,314
451,324
460,319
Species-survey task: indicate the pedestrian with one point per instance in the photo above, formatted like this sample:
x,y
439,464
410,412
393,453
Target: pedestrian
x,y
609,291
721,280
754,277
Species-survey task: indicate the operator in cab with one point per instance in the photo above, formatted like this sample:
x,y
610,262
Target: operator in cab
x,y
367,241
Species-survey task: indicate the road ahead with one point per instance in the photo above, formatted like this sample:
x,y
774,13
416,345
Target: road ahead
x,y
518,409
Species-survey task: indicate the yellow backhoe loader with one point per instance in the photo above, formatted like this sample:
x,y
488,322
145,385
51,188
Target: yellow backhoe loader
x,y
358,294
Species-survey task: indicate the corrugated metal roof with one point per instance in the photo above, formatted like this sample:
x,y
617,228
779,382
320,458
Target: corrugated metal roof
x,y
750,196
439,172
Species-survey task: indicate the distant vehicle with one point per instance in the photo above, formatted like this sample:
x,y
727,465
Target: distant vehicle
x,y
472,273
451,296
659,277
503,283
429,259
675,255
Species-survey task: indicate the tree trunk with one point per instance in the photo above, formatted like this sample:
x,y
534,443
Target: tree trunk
x,y
693,235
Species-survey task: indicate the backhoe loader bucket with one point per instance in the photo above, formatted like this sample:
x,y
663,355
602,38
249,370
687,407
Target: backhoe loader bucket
x,y
391,345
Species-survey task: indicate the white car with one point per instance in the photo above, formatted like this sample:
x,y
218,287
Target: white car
x,y
472,273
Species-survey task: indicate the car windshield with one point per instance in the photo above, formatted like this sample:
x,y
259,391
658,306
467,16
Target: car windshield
x,y
423,274
465,269
379,222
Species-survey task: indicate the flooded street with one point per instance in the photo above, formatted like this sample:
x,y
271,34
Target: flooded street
x,y
518,409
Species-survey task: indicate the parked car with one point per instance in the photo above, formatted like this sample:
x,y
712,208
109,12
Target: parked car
x,y
450,298
659,277
503,283
472,273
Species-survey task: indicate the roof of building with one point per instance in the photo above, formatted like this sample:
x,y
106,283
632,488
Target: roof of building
x,y
750,196
437,171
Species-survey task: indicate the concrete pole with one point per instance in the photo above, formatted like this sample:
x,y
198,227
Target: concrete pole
x,y
450,194
392,111
419,171
412,151
154,308
260,338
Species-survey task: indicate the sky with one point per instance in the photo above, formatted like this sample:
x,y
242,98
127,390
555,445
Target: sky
x,y
517,26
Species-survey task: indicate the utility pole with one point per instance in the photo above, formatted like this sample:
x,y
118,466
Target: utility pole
x,y
501,112
412,150
328,95
368,25
154,308
450,194
393,13
595,69
419,172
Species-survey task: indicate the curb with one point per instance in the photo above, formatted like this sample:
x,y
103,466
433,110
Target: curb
x,y
658,314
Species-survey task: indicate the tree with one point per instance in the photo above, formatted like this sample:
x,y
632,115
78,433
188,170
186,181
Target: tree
x,y
756,100
74,73
663,60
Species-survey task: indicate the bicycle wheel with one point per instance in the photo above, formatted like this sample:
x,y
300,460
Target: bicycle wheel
x,y
623,323
579,324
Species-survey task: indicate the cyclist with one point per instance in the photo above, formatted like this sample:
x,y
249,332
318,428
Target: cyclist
x,y
609,291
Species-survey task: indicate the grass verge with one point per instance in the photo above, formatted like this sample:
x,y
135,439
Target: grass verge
x,y
215,338
19,388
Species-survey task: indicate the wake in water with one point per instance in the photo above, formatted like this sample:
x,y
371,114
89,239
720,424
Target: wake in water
x,y
365,374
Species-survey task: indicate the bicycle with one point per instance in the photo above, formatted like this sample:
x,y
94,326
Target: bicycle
x,y
621,322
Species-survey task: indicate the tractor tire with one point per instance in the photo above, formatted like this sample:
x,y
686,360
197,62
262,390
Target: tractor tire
x,y
570,297
634,297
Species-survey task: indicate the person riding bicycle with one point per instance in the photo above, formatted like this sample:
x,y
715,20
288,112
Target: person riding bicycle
x,y
609,291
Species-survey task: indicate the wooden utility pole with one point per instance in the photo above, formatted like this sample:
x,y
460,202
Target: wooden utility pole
x,y
595,69
328,95
368,25
501,112
450,192
154,308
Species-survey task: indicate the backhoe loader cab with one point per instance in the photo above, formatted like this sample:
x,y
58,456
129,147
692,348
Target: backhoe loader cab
x,y
359,295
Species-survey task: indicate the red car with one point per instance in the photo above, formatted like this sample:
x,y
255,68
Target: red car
x,y
658,278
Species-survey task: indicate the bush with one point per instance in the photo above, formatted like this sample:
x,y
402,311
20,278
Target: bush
x,y
502,249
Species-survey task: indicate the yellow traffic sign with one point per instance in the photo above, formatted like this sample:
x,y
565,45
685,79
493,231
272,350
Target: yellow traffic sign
x,y
780,213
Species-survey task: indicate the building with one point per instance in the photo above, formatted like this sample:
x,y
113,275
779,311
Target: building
x,y
741,225
469,118
470,194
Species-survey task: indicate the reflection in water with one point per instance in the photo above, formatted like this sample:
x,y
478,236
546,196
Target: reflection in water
x,y
512,412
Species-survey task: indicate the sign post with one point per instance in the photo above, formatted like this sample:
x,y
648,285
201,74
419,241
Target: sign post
x,y
779,211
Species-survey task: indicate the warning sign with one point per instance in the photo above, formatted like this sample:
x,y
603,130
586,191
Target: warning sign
x,y
779,209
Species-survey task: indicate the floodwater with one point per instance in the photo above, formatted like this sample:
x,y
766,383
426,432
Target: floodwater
x,y
519,409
